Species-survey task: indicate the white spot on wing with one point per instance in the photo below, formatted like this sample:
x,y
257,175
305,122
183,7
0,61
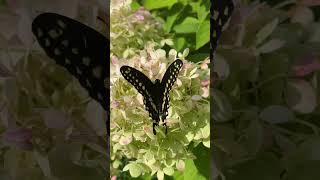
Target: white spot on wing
x,y
39,32
75,51
96,72
61,24
53,33
65,43
47,42
86,61
57,51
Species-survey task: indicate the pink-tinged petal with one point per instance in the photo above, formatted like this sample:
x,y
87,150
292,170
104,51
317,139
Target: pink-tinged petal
x,y
114,178
180,165
115,137
302,15
139,17
113,125
13,5
147,129
205,82
114,60
140,99
301,96
207,61
125,140
20,137
205,92
306,65
204,66
115,104
185,66
179,83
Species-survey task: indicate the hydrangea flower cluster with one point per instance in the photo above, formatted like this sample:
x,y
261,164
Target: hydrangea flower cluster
x,y
188,120
132,30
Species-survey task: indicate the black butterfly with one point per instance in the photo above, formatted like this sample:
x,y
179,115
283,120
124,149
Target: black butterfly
x,y
83,51
221,11
155,94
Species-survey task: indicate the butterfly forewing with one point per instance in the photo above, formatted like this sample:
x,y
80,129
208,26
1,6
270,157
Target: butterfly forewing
x,y
79,48
143,85
221,11
167,82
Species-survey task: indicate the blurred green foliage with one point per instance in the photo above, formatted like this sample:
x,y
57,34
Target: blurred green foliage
x,y
188,21
266,95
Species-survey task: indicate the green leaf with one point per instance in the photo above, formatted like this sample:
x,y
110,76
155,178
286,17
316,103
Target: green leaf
x,y
134,170
172,16
190,173
307,151
276,114
202,161
270,46
266,31
255,136
188,25
306,170
43,162
203,11
272,73
198,57
263,167
135,5
222,106
151,4
203,34
179,43
2,2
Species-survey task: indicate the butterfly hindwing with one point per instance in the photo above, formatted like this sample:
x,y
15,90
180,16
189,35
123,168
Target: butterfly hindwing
x,y
77,47
220,14
167,82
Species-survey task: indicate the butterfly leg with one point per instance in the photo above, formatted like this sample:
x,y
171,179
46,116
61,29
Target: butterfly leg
x,y
154,130
165,124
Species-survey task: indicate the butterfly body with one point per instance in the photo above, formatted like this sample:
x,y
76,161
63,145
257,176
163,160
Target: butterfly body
x,y
155,94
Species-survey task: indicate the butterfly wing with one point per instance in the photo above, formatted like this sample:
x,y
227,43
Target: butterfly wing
x,y
79,48
220,14
144,86
167,82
